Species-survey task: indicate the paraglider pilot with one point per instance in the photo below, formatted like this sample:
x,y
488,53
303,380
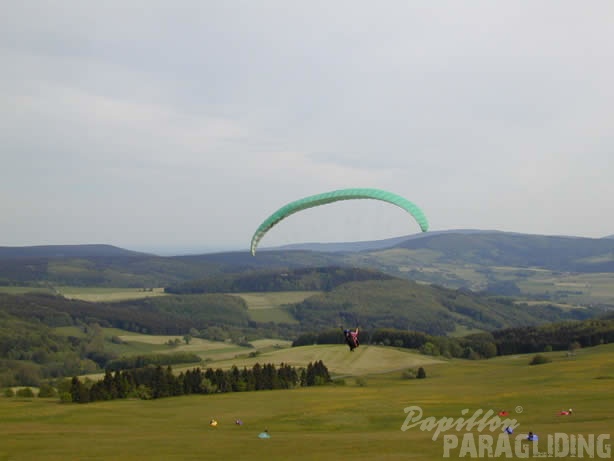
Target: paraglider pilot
x,y
351,338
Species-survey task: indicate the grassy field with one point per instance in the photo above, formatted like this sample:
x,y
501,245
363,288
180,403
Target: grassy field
x,y
96,294
362,419
338,359
23,290
462,330
272,299
269,307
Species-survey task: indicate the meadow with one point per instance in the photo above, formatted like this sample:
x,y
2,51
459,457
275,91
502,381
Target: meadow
x,y
102,294
92,294
269,306
360,417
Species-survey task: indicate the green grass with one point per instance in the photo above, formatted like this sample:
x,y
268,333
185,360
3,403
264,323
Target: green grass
x,y
70,331
462,330
338,359
101,294
269,307
273,300
275,314
270,344
205,349
16,290
363,422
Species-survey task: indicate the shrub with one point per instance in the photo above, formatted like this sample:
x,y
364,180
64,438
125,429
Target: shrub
x,y
47,390
25,393
539,360
421,373
9,392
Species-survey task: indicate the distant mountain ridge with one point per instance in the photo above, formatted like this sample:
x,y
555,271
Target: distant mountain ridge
x,y
65,251
577,254
440,257
340,247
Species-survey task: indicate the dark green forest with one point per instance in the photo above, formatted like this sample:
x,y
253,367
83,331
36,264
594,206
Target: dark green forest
x,y
155,382
302,279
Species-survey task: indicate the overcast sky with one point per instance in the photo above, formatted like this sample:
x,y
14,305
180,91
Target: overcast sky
x,y
184,124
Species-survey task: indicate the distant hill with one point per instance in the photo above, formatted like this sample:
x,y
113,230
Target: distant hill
x,y
482,248
349,247
519,250
65,251
473,259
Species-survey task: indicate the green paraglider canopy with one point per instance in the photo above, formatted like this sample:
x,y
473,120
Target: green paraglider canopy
x,y
335,196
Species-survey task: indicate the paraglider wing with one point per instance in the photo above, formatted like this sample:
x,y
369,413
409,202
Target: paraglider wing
x,y
335,196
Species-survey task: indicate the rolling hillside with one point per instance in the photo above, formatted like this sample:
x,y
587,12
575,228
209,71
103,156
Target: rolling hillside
x,y
533,266
364,360
519,250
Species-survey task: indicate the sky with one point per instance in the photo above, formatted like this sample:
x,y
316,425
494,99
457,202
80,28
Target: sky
x,y
180,126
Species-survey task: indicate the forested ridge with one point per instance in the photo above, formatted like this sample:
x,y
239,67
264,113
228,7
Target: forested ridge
x,y
302,279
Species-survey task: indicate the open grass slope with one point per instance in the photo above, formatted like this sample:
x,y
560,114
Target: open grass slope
x,y
361,422
339,360
270,300
103,294
272,306
201,347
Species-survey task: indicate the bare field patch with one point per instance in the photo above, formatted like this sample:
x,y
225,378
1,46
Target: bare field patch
x,y
549,303
108,294
204,348
274,299
163,339
274,314
24,290
268,343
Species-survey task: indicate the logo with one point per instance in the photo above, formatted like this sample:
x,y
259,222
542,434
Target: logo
x,y
488,421
487,435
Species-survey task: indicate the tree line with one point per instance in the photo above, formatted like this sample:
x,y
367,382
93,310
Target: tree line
x,y
558,336
154,382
